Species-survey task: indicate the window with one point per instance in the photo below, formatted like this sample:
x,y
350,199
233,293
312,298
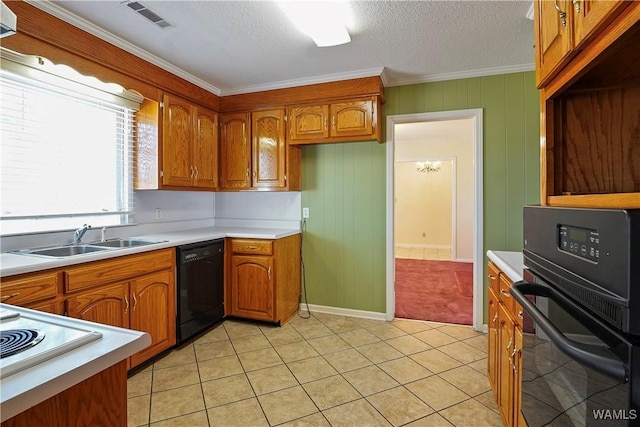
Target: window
x,y
67,149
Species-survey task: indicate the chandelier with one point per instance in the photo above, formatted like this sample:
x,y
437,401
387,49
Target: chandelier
x,y
428,166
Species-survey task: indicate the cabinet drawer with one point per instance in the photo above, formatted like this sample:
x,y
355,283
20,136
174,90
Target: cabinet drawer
x,y
504,294
493,276
23,289
244,246
117,269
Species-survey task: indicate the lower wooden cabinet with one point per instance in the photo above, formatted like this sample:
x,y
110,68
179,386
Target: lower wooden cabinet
x,y
504,347
264,279
133,291
145,303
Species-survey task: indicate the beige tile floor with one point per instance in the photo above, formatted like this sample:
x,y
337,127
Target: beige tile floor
x,y
327,370
422,253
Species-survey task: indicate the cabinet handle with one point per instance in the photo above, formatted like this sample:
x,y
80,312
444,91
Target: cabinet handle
x,y
269,271
576,6
8,297
191,171
495,328
505,293
333,122
250,248
510,343
325,122
247,174
135,302
196,168
512,358
562,13
126,308
520,314
491,277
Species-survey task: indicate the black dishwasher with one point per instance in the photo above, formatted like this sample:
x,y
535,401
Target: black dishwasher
x,y
200,287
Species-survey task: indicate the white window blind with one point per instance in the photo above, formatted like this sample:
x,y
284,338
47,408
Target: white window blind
x,y
67,152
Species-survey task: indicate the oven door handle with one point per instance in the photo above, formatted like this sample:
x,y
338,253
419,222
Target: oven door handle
x,y
593,356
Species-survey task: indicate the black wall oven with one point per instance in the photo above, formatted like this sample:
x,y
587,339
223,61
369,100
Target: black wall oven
x,y
581,366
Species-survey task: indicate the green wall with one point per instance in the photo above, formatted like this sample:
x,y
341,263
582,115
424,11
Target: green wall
x,y
344,186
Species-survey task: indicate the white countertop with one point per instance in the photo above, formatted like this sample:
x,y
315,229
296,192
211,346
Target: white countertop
x,y
27,388
511,263
11,264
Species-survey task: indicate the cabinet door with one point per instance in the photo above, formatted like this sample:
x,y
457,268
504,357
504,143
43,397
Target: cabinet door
x,y
492,353
553,37
235,151
205,150
109,305
352,118
308,123
252,287
177,136
269,149
153,311
505,362
590,15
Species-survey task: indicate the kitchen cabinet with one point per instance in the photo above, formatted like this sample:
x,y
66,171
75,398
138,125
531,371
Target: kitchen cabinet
x,y
134,292
254,153
189,144
563,26
590,103
504,347
98,400
349,120
39,291
264,279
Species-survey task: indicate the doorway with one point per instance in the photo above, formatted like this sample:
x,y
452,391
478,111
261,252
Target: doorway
x,y
465,240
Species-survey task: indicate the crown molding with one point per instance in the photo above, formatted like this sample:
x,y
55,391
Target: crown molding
x,y
81,23
483,72
372,72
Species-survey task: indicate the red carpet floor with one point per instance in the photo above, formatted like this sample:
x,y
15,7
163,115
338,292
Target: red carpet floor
x,y
440,291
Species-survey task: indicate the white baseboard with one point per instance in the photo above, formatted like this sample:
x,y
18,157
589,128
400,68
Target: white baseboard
x,y
373,315
421,246
464,260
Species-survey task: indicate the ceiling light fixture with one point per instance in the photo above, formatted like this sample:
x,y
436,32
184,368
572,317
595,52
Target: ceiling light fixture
x,y
324,21
428,166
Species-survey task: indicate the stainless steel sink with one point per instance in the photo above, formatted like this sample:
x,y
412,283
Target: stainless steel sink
x,y
62,251
84,248
122,243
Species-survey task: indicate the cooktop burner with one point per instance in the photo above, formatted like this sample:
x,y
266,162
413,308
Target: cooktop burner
x,y
16,340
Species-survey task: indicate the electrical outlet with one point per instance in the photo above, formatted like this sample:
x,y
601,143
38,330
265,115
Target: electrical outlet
x,y
305,213
158,213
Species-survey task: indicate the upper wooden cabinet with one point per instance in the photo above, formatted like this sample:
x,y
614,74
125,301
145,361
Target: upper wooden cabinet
x,y
351,120
562,26
189,144
255,154
590,104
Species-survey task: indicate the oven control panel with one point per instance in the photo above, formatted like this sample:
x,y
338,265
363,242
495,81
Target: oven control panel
x,y
578,241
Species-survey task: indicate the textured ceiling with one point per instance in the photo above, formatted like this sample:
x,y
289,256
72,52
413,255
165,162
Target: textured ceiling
x,y
241,46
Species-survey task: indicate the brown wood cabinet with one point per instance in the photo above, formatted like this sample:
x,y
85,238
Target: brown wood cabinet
x,y
135,292
590,103
563,26
39,291
504,347
255,154
264,279
350,120
189,144
100,400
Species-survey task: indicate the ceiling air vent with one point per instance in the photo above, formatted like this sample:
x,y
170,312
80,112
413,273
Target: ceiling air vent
x,y
148,14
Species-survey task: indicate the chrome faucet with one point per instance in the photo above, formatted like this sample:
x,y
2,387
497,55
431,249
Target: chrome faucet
x,y
77,235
